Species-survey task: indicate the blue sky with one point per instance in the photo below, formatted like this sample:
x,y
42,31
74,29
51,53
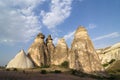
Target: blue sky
x,y
21,21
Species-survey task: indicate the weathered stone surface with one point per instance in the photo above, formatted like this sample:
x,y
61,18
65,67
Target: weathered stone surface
x,y
110,53
61,52
82,54
38,52
51,47
20,61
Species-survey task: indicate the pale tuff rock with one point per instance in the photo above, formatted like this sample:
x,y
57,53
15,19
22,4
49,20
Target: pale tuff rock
x,y
50,46
38,52
20,61
82,54
110,53
61,52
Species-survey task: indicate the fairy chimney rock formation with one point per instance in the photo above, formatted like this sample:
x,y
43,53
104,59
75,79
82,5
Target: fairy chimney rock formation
x,y
38,51
82,54
50,46
61,52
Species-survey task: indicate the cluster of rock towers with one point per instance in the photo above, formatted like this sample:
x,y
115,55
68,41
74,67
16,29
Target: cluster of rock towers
x,y
81,56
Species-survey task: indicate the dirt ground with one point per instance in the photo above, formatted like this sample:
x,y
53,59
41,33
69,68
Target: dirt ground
x,y
29,75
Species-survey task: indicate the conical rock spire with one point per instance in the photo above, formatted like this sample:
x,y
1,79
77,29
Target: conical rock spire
x,y
38,52
20,61
82,54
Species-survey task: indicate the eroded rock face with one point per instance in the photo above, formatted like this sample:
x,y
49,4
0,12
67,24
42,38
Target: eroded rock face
x,y
82,54
61,52
51,47
108,54
38,52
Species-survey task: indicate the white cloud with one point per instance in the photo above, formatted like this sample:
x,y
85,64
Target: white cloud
x,y
69,36
59,11
91,26
111,35
55,40
17,20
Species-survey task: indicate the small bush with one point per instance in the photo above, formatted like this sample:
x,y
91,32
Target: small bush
x,y
105,65
43,72
65,64
72,71
111,61
57,71
15,69
7,69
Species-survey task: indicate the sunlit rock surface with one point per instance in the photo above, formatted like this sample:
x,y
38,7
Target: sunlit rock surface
x,y
38,52
82,54
51,47
110,53
20,61
61,52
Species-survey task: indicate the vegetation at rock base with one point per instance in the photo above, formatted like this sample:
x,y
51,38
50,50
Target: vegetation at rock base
x,y
57,71
65,64
45,66
43,72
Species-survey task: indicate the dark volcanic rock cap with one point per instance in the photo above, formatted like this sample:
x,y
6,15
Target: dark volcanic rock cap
x,y
41,35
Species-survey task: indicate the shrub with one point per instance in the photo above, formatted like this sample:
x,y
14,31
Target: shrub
x,y
105,65
57,71
65,64
111,61
72,71
14,69
43,72
7,69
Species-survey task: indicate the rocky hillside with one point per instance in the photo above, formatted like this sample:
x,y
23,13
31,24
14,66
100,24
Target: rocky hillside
x,y
109,55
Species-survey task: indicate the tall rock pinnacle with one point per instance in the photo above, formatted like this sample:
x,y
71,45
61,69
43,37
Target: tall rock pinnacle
x,y
61,52
82,54
50,46
38,52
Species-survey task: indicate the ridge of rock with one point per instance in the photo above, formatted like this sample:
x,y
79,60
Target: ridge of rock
x,y
110,53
